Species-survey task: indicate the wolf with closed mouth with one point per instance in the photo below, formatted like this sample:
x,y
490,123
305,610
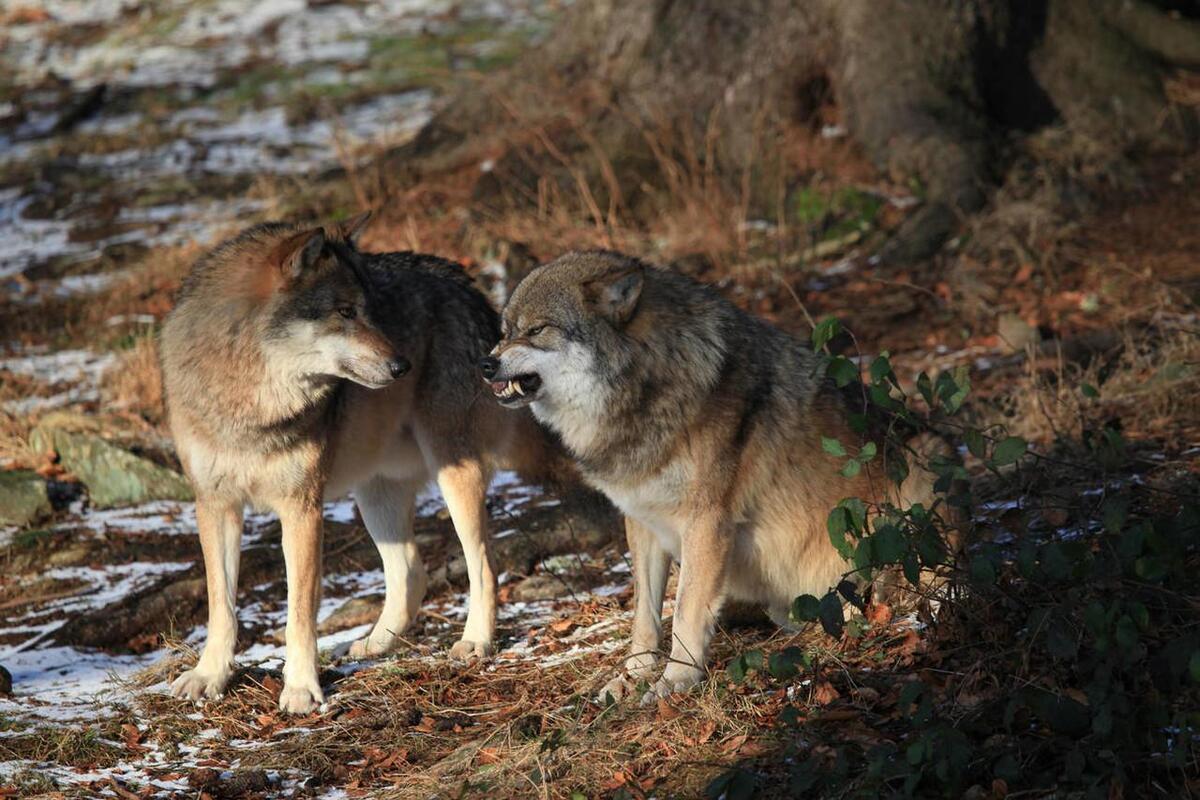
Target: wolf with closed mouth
x,y
703,424
297,368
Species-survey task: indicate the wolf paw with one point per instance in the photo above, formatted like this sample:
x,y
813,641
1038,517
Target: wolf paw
x,y
302,699
618,689
465,650
672,682
369,648
197,685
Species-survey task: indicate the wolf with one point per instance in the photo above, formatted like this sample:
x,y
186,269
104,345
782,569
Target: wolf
x,y
297,368
702,424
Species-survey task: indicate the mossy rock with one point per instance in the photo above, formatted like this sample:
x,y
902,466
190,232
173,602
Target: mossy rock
x,y
113,477
23,498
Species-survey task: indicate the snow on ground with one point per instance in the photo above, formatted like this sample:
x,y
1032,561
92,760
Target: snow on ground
x,y
59,681
262,54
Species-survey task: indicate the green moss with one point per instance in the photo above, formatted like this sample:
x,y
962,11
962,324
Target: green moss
x,y
835,214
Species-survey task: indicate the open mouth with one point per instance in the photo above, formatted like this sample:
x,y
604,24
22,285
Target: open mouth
x,y
519,390
370,381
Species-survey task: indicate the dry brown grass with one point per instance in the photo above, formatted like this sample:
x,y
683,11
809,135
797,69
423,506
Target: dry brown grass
x,y
420,729
134,383
1152,384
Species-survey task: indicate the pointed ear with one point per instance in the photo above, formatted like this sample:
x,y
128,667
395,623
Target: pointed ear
x,y
299,252
616,295
352,228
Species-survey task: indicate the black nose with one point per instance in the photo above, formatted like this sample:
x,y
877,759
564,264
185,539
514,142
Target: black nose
x,y
399,366
489,366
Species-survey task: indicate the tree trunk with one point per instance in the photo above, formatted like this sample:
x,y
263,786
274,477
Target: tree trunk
x,y
931,89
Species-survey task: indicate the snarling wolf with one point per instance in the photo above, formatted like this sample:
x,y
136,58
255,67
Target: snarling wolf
x,y
298,368
703,424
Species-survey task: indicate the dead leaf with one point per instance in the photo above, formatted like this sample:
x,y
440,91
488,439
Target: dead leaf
x,y
488,755
824,693
865,696
734,744
666,711
879,614
133,738
618,780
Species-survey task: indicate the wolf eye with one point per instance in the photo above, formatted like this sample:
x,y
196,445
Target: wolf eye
x,y
348,312
534,331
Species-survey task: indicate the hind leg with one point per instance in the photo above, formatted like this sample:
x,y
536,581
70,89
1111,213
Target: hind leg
x,y
387,509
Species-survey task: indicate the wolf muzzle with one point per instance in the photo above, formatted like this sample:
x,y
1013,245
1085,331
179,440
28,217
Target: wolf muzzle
x,y
489,366
399,366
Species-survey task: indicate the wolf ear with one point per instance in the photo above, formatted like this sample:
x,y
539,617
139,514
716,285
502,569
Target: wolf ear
x,y
300,252
351,229
616,295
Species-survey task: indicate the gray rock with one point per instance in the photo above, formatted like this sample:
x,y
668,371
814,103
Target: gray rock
x,y
1016,332
539,587
23,498
350,614
113,477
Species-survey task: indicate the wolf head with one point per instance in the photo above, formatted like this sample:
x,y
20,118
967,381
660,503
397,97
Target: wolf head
x,y
322,319
562,335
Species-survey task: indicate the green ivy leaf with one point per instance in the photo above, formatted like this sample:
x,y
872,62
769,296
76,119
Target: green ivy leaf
x,y
881,368
857,511
842,370
867,452
852,468
983,571
889,544
1060,640
831,615
786,664
832,446
925,387
824,331
805,608
975,442
1089,390
1008,451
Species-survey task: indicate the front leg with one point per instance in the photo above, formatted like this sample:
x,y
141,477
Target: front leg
x,y
220,524
705,549
651,565
463,482
302,533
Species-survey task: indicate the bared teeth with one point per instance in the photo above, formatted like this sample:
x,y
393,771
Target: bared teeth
x,y
517,386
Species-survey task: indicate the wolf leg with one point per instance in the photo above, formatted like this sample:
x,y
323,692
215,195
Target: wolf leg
x,y
220,524
651,565
302,532
705,551
464,483
387,509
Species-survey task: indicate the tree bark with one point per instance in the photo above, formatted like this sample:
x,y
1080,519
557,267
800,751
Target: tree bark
x,y
932,89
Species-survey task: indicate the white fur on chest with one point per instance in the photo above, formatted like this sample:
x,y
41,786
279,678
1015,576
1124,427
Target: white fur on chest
x,y
658,502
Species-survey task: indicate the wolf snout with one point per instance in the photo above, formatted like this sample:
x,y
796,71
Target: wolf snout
x,y
399,366
489,366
